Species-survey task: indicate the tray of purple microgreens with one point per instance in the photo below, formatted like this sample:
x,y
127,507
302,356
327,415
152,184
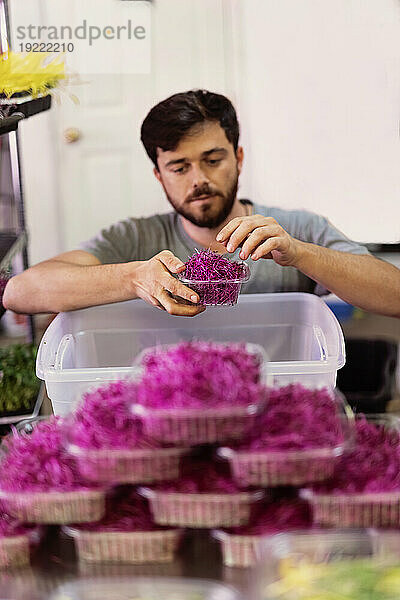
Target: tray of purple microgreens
x,y
298,439
16,541
216,279
40,481
109,444
241,546
200,392
126,533
204,496
364,490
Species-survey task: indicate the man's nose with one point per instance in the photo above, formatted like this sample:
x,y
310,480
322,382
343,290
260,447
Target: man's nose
x,y
199,178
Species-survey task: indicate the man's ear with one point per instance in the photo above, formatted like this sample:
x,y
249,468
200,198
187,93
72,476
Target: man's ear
x,y
157,174
239,158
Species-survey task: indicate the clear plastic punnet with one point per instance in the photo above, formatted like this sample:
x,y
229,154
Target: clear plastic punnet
x,y
55,508
132,547
187,427
270,468
218,292
87,348
50,506
238,550
206,425
14,551
363,509
334,565
201,509
115,466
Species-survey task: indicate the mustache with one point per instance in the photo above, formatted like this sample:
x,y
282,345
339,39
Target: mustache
x,y
205,190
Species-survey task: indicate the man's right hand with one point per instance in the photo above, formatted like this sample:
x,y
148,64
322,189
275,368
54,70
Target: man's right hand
x,y
153,282
77,279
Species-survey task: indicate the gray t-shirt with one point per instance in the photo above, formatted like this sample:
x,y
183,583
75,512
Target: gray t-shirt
x,y
142,238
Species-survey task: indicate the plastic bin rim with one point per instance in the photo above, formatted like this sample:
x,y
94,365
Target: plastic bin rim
x,y
101,374
290,367
248,298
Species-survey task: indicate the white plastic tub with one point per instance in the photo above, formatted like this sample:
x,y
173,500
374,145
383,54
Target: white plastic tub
x,y
93,346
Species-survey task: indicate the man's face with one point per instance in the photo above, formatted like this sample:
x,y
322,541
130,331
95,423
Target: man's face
x,y
200,177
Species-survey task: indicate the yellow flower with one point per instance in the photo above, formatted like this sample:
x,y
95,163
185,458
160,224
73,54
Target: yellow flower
x,y
32,72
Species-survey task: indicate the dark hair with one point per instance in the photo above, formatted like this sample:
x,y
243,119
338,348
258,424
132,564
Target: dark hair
x,y
170,120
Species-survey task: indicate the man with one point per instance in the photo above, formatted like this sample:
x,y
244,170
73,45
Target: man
x,y
192,139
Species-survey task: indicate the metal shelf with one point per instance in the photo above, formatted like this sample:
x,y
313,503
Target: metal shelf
x,y
8,124
384,248
29,414
19,109
13,110
10,245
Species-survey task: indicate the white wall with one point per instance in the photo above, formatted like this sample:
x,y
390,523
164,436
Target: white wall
x,y
319,97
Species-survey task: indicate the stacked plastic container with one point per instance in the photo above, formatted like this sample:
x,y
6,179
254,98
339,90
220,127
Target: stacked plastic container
x,y
367,509
177,434
125,547
85,348
298,333
16,547
95,460
16,541
84,509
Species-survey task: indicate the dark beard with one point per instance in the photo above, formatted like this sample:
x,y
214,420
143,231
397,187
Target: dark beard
x,y
210,222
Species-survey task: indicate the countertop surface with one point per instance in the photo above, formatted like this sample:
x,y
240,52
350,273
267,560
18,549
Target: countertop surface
x,y
54,564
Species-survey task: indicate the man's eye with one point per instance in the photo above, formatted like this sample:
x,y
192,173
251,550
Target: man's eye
x,y
180,170
214,161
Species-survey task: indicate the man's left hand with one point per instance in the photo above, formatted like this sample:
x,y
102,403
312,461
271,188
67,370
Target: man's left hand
x,y
260,237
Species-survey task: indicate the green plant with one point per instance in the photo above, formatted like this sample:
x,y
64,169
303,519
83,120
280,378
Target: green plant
x,y
19,385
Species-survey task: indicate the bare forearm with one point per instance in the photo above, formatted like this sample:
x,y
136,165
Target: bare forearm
x,y
55,286
363,281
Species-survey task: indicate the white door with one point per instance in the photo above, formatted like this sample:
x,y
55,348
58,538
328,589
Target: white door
x,y
105,174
